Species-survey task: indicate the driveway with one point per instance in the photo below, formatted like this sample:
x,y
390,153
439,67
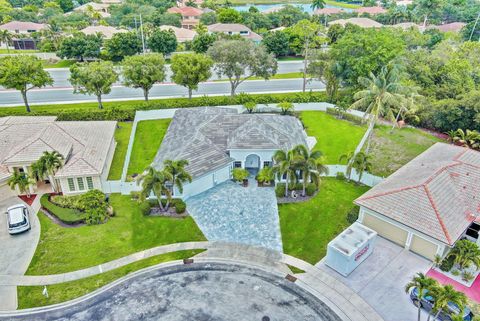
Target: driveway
x,y
16,251
380,279
232,213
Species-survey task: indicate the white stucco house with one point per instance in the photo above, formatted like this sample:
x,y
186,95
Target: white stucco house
x,y
216,140
87,148
428,204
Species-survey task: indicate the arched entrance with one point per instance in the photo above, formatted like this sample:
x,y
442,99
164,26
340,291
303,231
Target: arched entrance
x,y
252,164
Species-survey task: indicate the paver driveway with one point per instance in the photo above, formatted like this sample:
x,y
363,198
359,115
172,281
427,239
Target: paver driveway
x,y
232,213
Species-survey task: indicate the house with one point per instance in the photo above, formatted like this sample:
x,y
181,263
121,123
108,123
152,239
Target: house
x,y
216,140
87,148
235,29
101,8
406,26
328,11
428,204
449,27
106,31
361,22
370,10
190,16
181,34
21,31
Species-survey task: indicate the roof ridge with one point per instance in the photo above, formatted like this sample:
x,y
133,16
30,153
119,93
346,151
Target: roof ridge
x,y
439,218
66,133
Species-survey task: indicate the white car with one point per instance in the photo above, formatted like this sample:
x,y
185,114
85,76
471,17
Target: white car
x,y
17,219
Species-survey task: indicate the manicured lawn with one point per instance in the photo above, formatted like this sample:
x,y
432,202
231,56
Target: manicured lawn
x,y
308,227
12,51
31,296
68,249
67,215
391,150
122,136
148,137
288,75
59,64
334,137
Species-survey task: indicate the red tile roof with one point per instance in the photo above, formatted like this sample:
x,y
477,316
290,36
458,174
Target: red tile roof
x,y
449,27
186,11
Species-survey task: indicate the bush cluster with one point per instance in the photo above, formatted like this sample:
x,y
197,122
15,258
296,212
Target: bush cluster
x,y
310,189
447,263
280,189
354,119
352,215
91,203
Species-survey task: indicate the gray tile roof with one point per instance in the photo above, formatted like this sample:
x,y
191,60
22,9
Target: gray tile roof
x,y
437,193
203,136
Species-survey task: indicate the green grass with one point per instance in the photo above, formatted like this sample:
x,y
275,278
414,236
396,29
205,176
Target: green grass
x,y
294,269
31,296
59,64
122,136
391,150
308,227
68,249
148,137
288,75
13,51
290,58
67,215
343,4
334,137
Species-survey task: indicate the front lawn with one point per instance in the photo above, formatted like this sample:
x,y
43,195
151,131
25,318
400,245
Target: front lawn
x,y
308,227
68,249
122,136
391,150
32,296
148,137
335,137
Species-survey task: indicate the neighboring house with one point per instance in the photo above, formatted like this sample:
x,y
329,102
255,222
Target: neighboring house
x,y
361,22
101,8
21,33
184,3
190,16
328,11
371,10
87,147
235,29
106,31
216,140
273,9
181,34
428,204
449,27
406,26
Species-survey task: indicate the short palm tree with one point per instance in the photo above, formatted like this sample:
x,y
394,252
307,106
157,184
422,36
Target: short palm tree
x,y
466,253
265,175
6,38
46,167
349,159
154,181
310,164
445,295
284,165
361,163
179,175
423,284
317,4
21,181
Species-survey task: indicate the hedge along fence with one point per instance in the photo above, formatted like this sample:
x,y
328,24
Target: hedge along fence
x,y
125,110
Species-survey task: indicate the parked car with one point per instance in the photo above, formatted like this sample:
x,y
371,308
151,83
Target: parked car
x,y
427,303
18,220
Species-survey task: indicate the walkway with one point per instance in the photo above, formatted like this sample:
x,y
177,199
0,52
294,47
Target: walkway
x,y
232,213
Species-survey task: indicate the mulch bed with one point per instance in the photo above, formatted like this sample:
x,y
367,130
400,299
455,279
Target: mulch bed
x,y
155,211
28,200
298,199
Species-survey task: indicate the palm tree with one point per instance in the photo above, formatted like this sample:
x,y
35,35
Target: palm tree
x,y
20,180
361,163
317,4
466,253
309,163
443,295
179,175
349,159
6,38
154,181
284,165
423,284
46,166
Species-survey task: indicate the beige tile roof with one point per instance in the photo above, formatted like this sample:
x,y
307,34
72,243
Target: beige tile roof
x,y
181,34
437,193
106,31
84,144
449,27
234,28
22,26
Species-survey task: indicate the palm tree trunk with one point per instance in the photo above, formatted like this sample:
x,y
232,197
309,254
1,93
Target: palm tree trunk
x,y
286,186
360,174
438,313
419,311
305,179
396,120
52,182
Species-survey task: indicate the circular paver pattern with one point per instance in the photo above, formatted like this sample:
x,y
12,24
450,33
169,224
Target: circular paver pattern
x,y
200,291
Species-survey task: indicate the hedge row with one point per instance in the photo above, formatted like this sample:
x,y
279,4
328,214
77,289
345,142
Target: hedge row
x,y
352,118
66,215
123,111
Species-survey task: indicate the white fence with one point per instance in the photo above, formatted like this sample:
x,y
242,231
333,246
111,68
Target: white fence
x,y
367,178
125,188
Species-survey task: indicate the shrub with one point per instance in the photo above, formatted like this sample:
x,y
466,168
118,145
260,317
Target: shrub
x,y
352,215
66,215
455,272
467,276
265,175
286,107
340,176
95,207
250,106
67,201
239,174
280,189
180,206
447,263
145,207
310,189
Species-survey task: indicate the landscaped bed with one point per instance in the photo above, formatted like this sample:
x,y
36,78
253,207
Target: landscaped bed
x,y
66,215
32,296
68,249
308,227
122,136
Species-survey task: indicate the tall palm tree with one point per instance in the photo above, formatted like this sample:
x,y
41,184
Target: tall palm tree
x,y
154,181
444,295
317,4
20,180
310,165
179,175
423,284
6,38
284,165
46,166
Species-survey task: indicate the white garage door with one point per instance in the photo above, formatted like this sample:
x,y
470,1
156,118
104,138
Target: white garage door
x,y
6,192
423,247
385,229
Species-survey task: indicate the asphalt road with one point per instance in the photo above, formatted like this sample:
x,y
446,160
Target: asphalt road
x,y
66,95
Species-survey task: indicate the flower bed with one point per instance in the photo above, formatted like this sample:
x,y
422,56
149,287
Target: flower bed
x,y
66,215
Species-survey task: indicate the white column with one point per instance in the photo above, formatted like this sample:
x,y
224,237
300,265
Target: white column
x,y
409,241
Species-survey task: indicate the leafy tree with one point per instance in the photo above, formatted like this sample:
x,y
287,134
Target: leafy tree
x,y
335,32
191,69
20,181
143,71
229,15
123,44
163,41
167,19
203,41
208,18
434,36
95,78
428,8
423,284
66,5
317,4
180,176
276,42
6,38
324,68
287,16
46,166
154,181
256,21
23,72
80,46
234,58
310,166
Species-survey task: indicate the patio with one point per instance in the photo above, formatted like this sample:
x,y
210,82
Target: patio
x,y
232,213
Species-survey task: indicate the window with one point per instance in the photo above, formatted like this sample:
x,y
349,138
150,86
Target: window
x,y
81,185
89,182
71,184
267,164
243,33
237,164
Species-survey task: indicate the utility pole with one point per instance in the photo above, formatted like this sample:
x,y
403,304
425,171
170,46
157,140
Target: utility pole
x,y
474,26
141,33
